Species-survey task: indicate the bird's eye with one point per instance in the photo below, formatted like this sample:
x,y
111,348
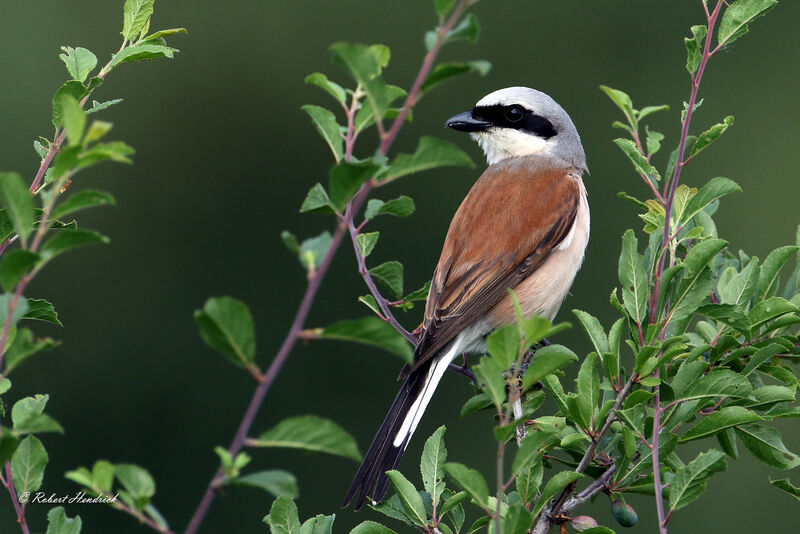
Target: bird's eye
x,y
514,113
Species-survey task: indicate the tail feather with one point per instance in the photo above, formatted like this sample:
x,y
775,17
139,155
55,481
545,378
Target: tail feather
x,y
395,432
382,455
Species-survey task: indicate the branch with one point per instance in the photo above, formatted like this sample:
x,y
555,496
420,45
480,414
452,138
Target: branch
x,y
313,285
711,20
546,519
382,302
18,508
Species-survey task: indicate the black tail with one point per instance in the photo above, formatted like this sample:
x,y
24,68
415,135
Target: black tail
x,y
382,456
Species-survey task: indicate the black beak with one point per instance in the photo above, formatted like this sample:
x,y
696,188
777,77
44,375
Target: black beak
x,y
465,122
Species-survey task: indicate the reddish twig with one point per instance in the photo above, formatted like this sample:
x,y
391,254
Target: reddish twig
x,y
293,335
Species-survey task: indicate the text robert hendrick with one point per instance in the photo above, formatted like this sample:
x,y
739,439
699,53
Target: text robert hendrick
x,y
80,497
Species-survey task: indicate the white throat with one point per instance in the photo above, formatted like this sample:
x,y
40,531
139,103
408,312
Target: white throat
x,y
501,143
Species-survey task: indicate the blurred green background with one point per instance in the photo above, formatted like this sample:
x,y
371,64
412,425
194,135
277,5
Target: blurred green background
x,y
224,159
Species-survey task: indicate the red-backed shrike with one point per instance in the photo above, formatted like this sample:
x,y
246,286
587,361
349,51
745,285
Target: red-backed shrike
x,y
523,226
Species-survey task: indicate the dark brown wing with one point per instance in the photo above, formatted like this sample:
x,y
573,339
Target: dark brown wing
x,y
504,229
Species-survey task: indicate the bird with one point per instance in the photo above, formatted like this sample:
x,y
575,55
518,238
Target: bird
x,y
523,226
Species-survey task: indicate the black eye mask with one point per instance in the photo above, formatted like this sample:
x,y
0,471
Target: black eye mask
x,y
516,117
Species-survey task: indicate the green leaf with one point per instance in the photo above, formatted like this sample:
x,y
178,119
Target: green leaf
x,y
18,203
711,135
160,34
72,88
765,444
653,141
470,481
409,496
59,523
275,481
27,465
332,88
65,240
320,524
41,310
503,345
103,475
490,378
14,265
100,106
28,416
390,274
786,485
771,268
371,527
445,71
718,421
282,517
692,291
622,101
588,390
314,249
364,64
317,201
79,61
633,278
640,163
145,50
690,481
468,29
366,242
310,433
518,520
19,311
738,15
431,464
761,356
136,15
369,331
649,110
546,361
443,7
769,309
23,346
530,450
88,198
694,48
594,330
325,123
714,189
739,288
430,154
554,486
137,482
345,179
475,404
401,206
393,507
226,326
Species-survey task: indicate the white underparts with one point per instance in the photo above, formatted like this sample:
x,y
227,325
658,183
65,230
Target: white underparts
x,y
501,143
435,374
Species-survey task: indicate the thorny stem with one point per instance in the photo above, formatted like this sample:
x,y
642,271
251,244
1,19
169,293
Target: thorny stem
x,y
314,282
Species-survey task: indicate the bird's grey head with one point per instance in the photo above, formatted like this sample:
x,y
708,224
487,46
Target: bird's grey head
x,y
520,121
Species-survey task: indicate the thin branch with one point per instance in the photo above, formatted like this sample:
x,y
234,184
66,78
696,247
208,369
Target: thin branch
x,y
313,285
18,508
546,519
365,274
